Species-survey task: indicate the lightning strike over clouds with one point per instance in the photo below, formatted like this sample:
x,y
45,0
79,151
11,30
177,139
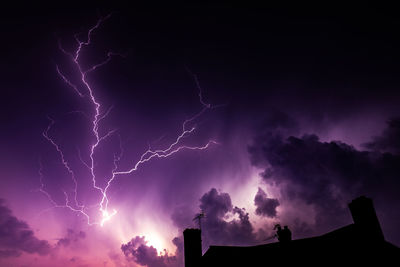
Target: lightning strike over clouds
x,y
188,128
107,160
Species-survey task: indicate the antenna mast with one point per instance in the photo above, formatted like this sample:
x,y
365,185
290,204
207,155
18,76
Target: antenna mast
x,y
198,217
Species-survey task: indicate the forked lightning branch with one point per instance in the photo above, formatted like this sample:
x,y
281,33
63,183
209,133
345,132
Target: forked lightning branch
x,y
84,89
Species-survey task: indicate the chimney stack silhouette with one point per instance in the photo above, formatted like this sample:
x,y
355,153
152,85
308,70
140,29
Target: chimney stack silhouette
x,y
364,217
192,247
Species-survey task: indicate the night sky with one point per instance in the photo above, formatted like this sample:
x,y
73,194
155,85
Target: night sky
x,y
255,115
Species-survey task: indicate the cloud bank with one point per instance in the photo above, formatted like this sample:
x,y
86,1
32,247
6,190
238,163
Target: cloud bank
x,y
327,175
17,237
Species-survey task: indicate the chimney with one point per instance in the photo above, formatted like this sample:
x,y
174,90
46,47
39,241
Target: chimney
x,y
192,246
364,217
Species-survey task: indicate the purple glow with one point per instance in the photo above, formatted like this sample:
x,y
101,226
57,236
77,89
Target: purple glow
x,y
309,120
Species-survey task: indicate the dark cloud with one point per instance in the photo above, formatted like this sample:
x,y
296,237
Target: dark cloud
x,y
16,236
216,229
71,237
215,204
389,141
265,206
275,126
327,175
9,253
224,224
138,251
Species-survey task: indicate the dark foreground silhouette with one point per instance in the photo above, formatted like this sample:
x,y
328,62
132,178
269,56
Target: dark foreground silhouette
x,y
359,244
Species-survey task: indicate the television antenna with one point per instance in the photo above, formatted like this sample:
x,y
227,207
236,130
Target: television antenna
x,y
198,217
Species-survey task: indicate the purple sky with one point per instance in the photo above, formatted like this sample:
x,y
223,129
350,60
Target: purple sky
x,y
304,117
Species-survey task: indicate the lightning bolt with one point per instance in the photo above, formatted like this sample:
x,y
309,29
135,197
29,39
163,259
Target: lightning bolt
x,y
85,90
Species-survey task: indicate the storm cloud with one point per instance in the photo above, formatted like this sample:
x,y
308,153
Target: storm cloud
x,y
327,175
138,251
389,141
265,206
316,76
224,223
16,236
71,237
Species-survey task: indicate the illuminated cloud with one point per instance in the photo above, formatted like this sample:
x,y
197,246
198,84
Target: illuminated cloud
x,y
138,251
217,228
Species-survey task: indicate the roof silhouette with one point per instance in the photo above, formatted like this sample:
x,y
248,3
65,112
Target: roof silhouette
x,y
358,244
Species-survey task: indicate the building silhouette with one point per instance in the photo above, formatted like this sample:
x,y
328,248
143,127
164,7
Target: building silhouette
x,y
359,244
